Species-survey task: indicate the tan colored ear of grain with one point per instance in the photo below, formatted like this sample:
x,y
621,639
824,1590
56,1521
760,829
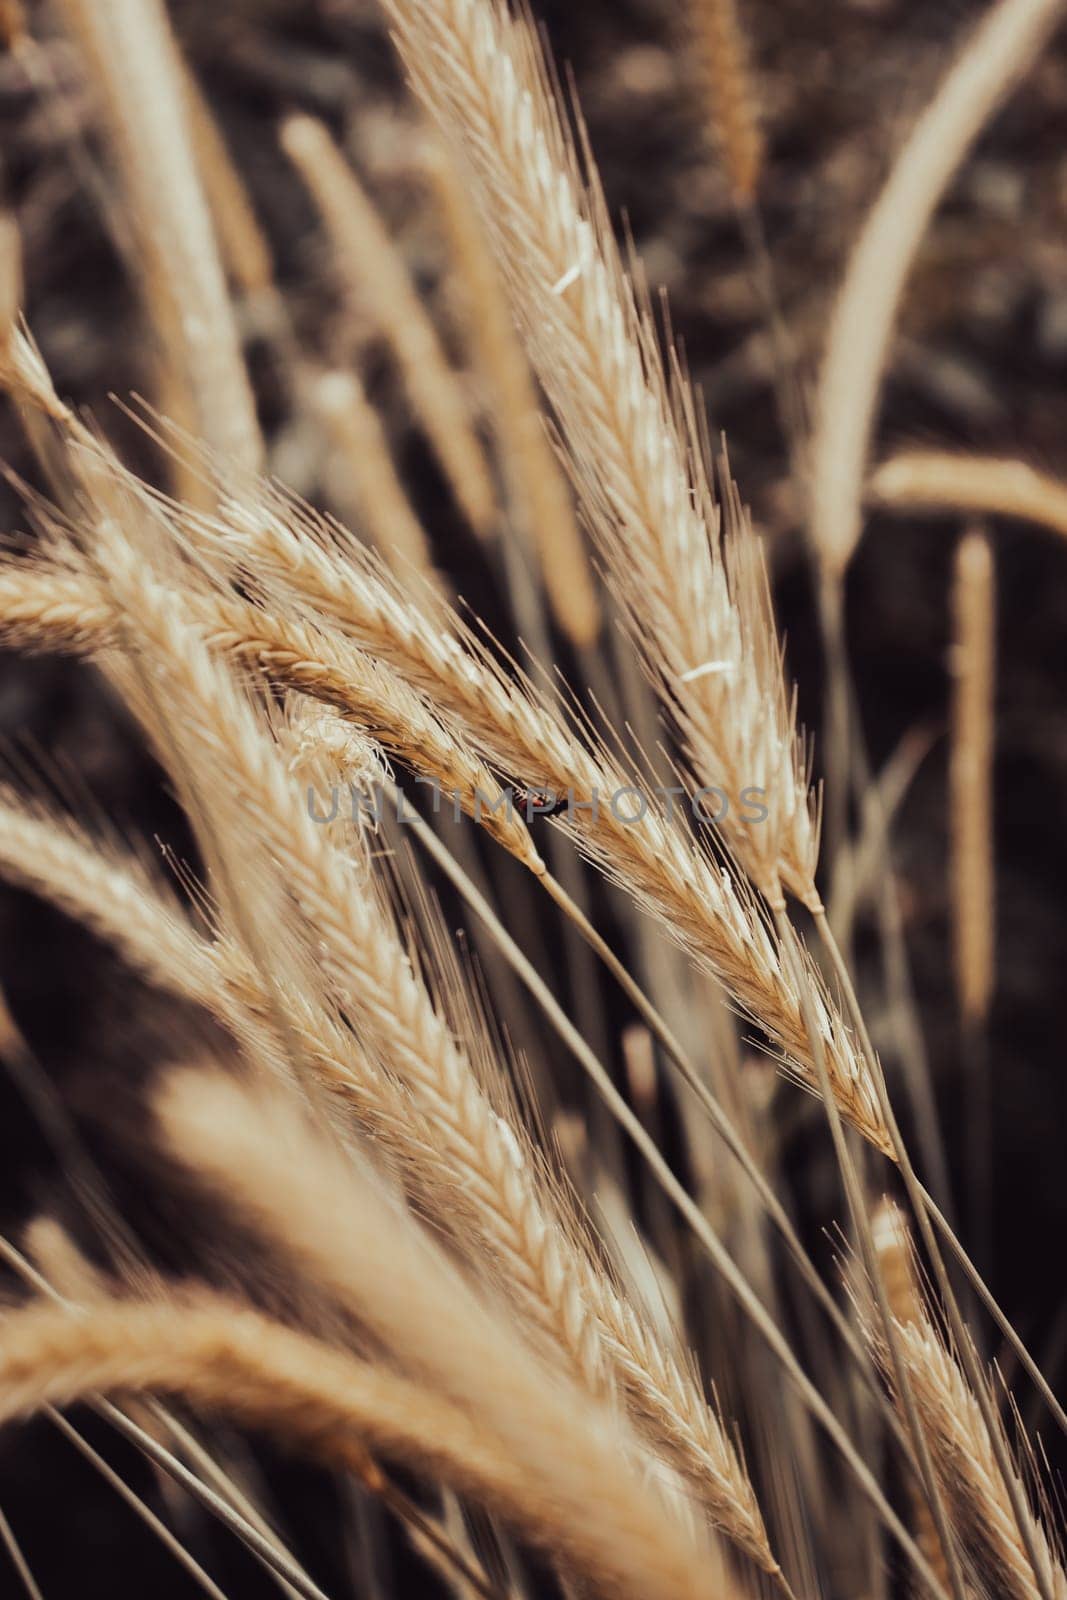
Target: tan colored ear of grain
x,y
733,107
135,66
540,496
971,774
237,1363
697,598
936,480
895,1259
377,275
370,479
999,51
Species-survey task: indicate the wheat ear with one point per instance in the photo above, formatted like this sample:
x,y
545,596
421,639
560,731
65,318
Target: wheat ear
x,y
937,480
982,1510
44,606
733,110
897,1269
268,540
377,276
993,59
698,605
225,1359
135,65
539,495
432,1321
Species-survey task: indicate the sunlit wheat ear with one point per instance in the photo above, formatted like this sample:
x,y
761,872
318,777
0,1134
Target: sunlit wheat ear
x,y
980,1507
377,275
628,422
896,1263
53,606
998,52
133,61
975,1491
539,495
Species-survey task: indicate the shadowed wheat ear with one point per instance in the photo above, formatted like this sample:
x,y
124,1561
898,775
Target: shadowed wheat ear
x,y
723,55
1022,1563
998,52
972,854
377,276
134,63
971,775
235,1362
698,604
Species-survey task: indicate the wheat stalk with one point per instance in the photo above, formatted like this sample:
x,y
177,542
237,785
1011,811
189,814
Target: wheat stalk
x,y
940,481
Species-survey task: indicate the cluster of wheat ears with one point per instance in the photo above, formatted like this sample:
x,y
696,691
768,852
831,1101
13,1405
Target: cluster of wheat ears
x,y
495,1309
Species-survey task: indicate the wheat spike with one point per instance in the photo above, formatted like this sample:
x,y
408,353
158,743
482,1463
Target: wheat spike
x,y
971,776
268,540
239,1364
135,65
732,105
698,604
378,275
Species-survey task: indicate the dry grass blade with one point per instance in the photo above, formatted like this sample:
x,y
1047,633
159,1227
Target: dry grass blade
x,y
936,480
997,54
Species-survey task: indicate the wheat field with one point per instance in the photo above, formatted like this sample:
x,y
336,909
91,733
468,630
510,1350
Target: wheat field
x,y
531,592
